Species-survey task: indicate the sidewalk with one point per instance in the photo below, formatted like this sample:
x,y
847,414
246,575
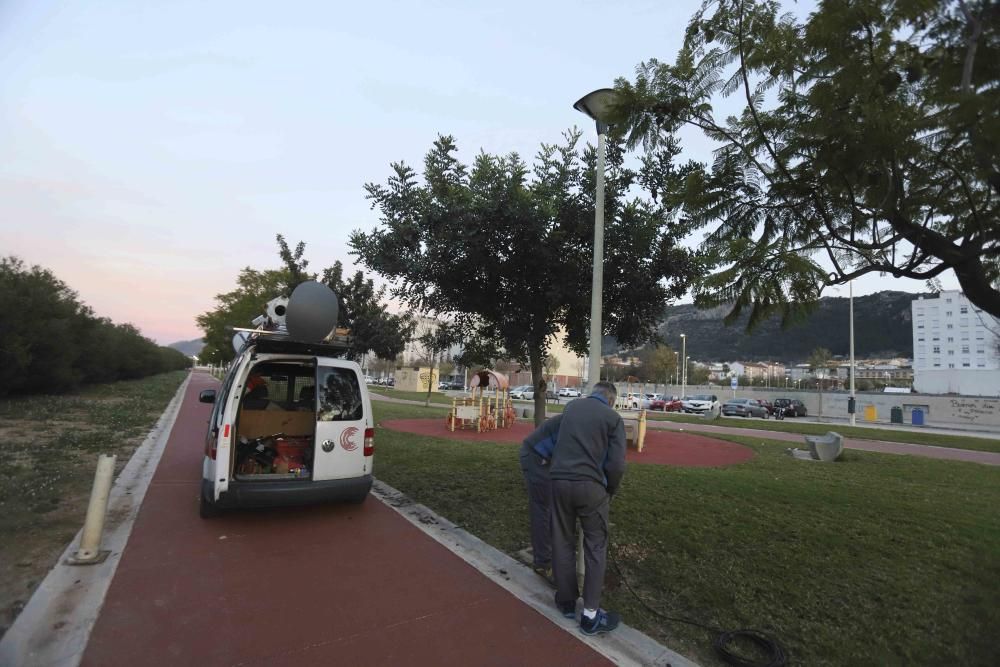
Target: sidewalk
x,y
928,451
333,584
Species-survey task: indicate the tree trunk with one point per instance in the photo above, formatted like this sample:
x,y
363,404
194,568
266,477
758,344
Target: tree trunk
x,y
538,381
430,384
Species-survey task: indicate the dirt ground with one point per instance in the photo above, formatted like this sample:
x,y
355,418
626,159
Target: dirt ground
x,y
49,447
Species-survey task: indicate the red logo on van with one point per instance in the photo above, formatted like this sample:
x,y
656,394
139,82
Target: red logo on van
x,y
345,439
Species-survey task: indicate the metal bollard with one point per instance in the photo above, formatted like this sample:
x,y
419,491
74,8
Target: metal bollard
x,y
580,566
90,552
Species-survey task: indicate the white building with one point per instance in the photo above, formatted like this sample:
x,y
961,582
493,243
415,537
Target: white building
x,y
956,347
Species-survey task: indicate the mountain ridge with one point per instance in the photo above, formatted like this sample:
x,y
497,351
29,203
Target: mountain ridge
x,y
882,329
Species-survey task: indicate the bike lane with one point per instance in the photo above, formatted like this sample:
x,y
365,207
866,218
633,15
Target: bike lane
x,y
331,584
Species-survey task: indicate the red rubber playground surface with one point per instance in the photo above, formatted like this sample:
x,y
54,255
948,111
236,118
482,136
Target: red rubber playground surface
x,y
672,448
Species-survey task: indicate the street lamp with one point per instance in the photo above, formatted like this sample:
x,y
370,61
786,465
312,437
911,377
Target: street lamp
x,y
596,105
684,371
852,401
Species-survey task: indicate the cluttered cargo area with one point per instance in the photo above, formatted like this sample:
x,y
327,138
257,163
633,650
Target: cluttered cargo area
x,y
275,431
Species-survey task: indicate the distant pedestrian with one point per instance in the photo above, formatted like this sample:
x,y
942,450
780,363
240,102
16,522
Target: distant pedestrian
x,y
587,466
536,452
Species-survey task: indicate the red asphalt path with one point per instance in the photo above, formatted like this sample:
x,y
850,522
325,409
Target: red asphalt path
x,y
325,585
659,448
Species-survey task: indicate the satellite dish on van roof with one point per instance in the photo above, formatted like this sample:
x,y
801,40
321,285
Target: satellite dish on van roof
x,y
239,338
312,311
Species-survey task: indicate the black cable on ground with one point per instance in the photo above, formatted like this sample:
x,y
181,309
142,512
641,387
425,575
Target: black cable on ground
x,y
769,646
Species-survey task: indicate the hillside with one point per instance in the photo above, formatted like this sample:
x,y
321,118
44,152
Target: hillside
x,y
189,347
881,329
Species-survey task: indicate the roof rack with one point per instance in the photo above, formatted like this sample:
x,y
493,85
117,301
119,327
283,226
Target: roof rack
x,y
262,340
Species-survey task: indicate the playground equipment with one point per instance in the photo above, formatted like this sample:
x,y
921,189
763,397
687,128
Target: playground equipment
x,y
483,409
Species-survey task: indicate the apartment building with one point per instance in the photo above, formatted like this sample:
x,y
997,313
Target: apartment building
x,y
956,347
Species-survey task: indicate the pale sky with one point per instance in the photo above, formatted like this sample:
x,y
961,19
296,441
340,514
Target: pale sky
x,y
153,149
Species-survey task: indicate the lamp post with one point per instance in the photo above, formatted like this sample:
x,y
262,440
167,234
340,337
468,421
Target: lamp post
x,y
684,371
596,105
852,401
677,367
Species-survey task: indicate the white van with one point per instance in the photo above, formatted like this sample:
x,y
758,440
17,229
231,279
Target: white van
x,y
291,424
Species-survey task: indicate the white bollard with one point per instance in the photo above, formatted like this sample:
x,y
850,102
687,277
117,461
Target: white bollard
x,y
90,540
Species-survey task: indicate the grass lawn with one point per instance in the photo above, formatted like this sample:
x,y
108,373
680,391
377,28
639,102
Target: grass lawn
x,y
436,397
789,425
50,446
878,560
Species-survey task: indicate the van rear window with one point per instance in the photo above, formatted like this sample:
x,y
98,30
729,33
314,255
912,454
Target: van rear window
x,y
339,395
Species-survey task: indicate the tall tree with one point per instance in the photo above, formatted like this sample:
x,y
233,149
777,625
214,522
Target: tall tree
x,y
362,306
869,142
505,250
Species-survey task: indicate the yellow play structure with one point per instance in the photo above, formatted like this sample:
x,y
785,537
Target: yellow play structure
x,y
487,408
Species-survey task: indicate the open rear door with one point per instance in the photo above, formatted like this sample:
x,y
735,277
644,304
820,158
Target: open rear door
x,y
340,423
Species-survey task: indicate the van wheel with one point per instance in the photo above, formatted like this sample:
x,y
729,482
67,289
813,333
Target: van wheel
x,y
208,510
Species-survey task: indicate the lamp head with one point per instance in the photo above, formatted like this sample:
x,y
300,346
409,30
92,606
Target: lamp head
x,y
597,105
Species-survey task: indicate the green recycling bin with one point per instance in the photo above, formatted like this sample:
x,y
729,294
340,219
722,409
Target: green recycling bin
x,y
896,415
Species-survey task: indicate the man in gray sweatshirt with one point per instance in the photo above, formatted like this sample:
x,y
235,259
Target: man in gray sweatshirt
x,y
587,465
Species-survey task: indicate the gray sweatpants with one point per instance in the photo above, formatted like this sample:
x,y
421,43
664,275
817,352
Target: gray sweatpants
x,y
587,501
536,478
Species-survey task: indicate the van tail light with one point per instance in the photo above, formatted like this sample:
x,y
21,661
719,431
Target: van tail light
x,y
212,444
369,442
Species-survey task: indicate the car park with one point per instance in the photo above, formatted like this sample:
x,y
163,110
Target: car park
x,y
744,407
791,407
700,403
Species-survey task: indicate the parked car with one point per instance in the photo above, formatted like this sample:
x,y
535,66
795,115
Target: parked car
x,y
700,403
635,401
744,407
520,391
792,407
569,392
767,405
456,385
666,404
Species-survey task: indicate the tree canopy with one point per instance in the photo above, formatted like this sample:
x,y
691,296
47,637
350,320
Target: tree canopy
x,y
52,343
869,141
504,250
362,306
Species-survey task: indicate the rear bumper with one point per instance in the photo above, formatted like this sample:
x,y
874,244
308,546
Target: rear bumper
x,y
283,493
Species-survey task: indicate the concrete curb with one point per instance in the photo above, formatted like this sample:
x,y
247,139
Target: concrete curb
x,y
54,627
625,646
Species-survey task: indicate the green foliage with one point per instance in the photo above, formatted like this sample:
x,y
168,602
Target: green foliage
x,y
819,359
868,142
237,308
52,343
362,307
505,249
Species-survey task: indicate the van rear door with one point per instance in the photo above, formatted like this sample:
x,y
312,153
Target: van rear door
x,y
340,422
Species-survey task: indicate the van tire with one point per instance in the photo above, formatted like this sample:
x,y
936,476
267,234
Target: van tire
x,y
206,509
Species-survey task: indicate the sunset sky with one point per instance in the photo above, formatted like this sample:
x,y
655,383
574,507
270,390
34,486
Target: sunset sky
x,y
153,149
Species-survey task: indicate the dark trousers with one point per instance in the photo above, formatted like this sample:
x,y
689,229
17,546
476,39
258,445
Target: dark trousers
x,y
588,502
536,478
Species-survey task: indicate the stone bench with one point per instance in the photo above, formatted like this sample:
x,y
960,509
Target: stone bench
x,y
827,447
712,413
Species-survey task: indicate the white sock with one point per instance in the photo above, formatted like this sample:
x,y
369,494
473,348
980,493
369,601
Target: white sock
x,y
589,614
